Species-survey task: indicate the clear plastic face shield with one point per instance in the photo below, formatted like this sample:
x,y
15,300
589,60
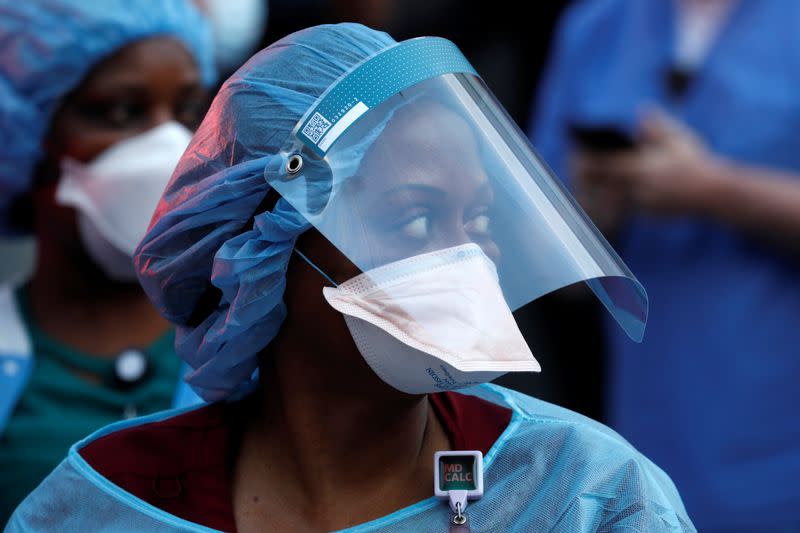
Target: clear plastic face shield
x,y
397,165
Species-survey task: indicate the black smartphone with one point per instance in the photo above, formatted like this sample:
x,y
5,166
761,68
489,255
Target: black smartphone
x,y
601,138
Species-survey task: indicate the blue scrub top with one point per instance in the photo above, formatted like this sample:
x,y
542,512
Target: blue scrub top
x,y
550,470
710,394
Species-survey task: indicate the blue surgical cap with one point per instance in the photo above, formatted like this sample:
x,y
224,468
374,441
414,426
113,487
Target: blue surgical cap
x,y
206,242
47,47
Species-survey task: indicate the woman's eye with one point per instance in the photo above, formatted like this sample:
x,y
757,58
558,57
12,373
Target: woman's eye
x,y
115,114
125,114
418,228
479,225
120,114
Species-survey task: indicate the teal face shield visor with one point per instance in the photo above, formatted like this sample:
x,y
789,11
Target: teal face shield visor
x,y
410,153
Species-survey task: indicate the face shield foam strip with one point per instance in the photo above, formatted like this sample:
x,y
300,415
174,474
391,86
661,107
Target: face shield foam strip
x,y
374,81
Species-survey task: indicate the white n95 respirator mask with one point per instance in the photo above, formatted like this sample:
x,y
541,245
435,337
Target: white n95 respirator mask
x,y
116,193
433,322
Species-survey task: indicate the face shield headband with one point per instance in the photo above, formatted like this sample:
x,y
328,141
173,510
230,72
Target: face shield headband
x,y
409,153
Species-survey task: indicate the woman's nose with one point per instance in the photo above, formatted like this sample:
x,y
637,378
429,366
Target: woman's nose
x,y
160,115
457,235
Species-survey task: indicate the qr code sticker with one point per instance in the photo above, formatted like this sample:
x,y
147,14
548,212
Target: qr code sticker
x,y
316,127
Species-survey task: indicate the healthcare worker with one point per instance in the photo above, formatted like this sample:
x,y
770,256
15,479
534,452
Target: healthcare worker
x,y
340,248
704,207
98,100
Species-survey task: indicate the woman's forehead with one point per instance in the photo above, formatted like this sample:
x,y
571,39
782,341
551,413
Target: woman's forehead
x,y
428,144
134,64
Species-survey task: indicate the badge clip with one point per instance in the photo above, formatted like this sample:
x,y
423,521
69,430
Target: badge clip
x,y
458,478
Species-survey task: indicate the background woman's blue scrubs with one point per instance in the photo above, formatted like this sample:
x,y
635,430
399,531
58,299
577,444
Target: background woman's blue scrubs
x,y
710,394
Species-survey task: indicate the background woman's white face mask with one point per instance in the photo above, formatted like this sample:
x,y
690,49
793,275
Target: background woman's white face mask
x,y
117,192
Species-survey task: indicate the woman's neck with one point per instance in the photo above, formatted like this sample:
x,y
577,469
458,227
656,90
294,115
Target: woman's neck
x,y
331,446
72,301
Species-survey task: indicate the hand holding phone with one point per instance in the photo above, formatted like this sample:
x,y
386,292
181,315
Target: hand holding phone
x,y
601,138
604,201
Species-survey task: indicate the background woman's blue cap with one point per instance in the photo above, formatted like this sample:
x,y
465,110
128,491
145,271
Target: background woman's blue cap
x,y
47,47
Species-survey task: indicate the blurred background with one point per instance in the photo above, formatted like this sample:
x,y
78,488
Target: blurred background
x,y
674,122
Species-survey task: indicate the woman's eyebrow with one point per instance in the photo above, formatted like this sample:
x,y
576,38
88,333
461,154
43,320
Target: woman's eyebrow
x,y
118,89
420,187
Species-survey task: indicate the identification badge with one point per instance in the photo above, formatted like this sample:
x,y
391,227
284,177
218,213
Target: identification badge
x,y
458,478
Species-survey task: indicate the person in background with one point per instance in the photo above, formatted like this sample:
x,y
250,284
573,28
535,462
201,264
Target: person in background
x,y
238,27
675,123
98,100
340,248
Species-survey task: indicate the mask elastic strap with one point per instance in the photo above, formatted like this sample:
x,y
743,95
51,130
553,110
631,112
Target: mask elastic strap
x,y
315,267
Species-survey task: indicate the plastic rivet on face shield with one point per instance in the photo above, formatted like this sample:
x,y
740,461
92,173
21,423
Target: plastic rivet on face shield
x,y
415,173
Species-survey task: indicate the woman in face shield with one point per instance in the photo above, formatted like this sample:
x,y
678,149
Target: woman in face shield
x,y
341,248
98,102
